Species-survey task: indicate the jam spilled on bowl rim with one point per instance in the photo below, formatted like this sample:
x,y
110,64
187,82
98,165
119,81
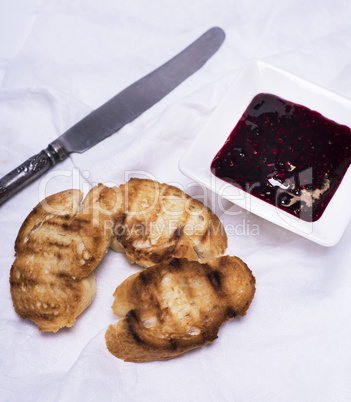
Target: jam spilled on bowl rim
x,y
287,155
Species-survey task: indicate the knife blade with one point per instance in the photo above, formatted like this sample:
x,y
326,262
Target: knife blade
x,y
115,113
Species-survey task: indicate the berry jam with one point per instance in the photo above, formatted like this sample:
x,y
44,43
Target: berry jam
x,y
287,155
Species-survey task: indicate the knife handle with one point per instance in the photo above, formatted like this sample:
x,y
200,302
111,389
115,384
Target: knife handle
x,y
31,169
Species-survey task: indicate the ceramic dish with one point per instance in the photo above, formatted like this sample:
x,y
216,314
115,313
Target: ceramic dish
x,y
255,78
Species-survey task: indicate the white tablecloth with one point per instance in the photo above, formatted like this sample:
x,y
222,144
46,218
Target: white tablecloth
x,y
59,59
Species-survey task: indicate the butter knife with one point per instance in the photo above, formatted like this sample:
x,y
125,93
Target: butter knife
x,y
115,113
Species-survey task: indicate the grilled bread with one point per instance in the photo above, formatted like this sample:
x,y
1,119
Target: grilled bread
x,y
159,221
58,246
176,306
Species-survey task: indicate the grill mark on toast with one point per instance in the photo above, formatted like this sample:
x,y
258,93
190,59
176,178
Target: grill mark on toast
x,y
54,223
160,313
175,263
58,255
230,312
70,283
159,257
215,279
119,229
80,220
132,321
173,344
64,276
90,261
96,240
75,225
177,233
31,314
145,277
57,244
24,281
155,258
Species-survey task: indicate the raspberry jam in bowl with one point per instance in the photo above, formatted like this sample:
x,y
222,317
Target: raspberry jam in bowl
x,y
279,147
287,155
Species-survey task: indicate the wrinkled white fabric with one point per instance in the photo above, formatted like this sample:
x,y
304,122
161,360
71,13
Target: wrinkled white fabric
x,y
68,58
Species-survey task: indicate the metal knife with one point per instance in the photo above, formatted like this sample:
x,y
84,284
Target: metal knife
x,y
115,113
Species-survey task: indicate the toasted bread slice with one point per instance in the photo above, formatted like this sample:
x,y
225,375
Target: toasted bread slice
x,y
177,306
58,246
159,221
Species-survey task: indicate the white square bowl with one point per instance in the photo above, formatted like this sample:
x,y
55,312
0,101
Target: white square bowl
x,y
255,78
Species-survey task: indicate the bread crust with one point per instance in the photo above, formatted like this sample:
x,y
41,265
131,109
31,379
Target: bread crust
x,y
159,221
177,306
57,248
